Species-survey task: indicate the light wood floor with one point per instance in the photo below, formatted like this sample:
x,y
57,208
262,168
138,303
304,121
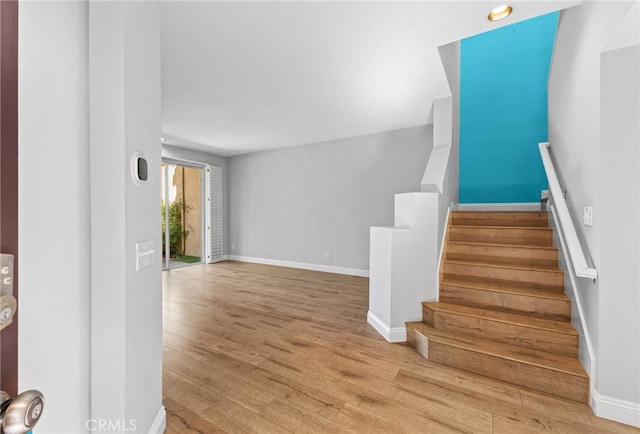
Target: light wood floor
x,y
261,349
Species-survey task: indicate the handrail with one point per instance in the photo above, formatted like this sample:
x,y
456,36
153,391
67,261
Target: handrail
x,y
573,243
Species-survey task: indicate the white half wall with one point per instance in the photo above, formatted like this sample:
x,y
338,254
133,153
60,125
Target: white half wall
x,y
404,265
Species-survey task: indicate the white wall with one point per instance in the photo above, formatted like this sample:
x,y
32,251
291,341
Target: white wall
x,y
295,204
583,144
80,215
450,55
619,199
55,290
126,329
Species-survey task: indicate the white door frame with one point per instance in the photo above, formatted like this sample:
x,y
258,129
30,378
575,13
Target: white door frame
x,y
204,212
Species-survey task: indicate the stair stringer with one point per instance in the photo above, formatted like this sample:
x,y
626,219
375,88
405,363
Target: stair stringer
x,y
586,351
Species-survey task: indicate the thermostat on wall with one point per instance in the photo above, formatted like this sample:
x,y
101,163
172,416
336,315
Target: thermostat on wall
x,y
139,168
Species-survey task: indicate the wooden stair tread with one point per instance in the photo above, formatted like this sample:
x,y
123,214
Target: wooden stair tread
x,y
502,213
508,246
512,235
520,319
478,218
543,268
500,251
541,359
504,288
480,227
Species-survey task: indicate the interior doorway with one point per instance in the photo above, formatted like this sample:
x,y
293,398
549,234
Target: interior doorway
x,y
183,214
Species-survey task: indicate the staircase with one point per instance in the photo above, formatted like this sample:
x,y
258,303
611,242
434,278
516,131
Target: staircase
x,y
503,312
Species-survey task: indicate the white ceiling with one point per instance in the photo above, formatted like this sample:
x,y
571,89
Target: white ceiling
x,y
240,77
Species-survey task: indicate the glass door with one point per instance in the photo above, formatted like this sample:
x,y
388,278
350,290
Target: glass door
x,y
182,215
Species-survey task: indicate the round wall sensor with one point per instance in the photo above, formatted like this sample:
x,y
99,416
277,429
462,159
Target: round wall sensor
x,y
139,169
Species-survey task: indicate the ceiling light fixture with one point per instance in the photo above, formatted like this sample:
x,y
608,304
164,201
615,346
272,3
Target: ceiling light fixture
x,y
500,13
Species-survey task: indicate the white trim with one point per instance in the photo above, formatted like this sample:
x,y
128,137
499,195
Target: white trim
x,y
395,334
591,367
206,251
524,206
160,422
204,221
442,244
183,162
615,409
301,265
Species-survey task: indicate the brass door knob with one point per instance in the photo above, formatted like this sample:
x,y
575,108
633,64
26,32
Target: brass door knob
x,y
20,414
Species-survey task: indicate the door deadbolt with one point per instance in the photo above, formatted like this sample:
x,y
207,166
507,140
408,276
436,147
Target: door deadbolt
x,y
8,303
20,414
8,307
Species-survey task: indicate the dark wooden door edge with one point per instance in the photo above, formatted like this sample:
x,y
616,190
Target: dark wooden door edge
x,y
9,179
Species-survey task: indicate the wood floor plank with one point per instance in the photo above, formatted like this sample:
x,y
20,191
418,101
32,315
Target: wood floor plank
x,y
508,425
251,348
286,415
302,395
359,420
181,420
202,351
382,397
565,409
516,415
189,393
235,418
218,383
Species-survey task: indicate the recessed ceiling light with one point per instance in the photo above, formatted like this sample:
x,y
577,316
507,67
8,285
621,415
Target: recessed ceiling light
x,y
500,13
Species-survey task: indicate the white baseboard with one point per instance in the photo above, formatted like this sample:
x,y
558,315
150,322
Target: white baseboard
x,y
396,334
526,206
615,409
301,265
160,423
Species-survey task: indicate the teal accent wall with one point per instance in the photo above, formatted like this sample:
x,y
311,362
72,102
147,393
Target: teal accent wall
x,y
503,111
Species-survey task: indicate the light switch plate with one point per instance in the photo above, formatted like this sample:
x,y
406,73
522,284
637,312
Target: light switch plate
x,y
145,254
587,216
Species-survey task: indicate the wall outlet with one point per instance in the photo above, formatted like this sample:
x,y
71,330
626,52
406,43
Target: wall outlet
x,y
544,194
327,255
587,216
233,246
